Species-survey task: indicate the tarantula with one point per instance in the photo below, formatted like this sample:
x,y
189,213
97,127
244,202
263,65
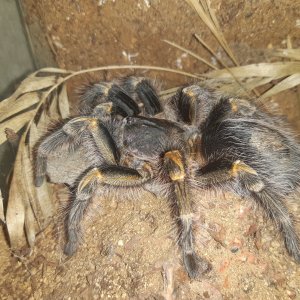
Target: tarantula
x,y
198,138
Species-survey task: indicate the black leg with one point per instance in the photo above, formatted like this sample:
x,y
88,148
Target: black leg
x,y
247,183
143,89
193,104
96,178
175,167
56,140
95,94
70,136
276,210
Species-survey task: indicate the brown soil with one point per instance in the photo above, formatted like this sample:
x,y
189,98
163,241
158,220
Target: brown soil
x,y
129,250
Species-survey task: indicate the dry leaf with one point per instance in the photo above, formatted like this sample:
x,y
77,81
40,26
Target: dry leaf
x,y
191,53
15,215
29,226
51,71
33,83
33,138
43,123
15,106
53,110
63,102
288,53
45,203
273,70
30,200
232,87
207,15
285,84
1,208
15,123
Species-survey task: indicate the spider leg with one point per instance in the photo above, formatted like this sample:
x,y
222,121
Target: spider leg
x,y
275,208
113,175
174,165
193,104
193,142
249,184
219,173
102,92
70,136
143,89
103,110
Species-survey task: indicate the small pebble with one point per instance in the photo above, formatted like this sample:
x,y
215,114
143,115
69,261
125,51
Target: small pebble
x,y
252,229
234,249
247,284
251,258
291,294
236,245
224,265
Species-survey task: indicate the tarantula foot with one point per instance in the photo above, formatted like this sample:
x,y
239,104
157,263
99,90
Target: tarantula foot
x,y
70,248
296,256
194,265
38,180
292,244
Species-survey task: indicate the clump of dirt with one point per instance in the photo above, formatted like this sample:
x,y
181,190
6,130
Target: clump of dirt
x,y
129,249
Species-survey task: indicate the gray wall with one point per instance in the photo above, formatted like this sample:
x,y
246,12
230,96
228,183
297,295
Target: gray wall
x,y
15,55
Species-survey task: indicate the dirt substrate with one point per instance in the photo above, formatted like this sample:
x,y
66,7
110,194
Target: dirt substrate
x,y
129,250
129,253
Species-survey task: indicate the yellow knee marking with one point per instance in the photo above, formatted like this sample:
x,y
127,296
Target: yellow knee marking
x,y
91,122
106,88
107,107
189,92
92,175
176,158
83,119
234,106
239,166
148,169
194,142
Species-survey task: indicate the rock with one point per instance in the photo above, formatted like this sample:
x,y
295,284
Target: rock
x,y
206,290
247,284
224,265
251,231
217,232
235,245
291,294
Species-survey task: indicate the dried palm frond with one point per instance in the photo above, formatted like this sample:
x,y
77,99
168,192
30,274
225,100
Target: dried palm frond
x,y
1,208
207,15
40,99
287,53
